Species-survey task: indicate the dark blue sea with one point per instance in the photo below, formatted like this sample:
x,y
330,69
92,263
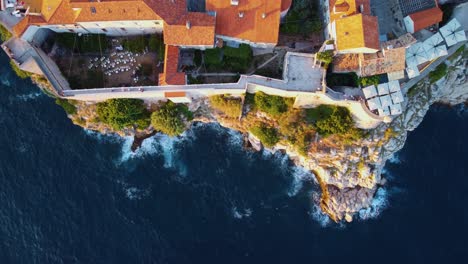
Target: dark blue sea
x,y
72,196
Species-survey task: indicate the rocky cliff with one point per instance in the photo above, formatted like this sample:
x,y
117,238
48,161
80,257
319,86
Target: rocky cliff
x,y
349,172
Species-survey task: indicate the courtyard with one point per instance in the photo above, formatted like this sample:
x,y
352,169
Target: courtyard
x,y
97,61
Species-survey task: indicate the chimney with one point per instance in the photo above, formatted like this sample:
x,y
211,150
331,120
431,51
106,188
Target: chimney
x,y
264,15
241,14
235,2
188,24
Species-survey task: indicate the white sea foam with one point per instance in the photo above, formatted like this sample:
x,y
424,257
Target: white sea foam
x,y
241,213
29,96
300,175
134,193
317,214
395,159
5,82
379,203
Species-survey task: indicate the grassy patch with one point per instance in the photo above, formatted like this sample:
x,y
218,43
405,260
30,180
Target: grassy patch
x,y
4,34
438,73
69,107
457,53
231,106
170,118
20,73
232,59
268,135
272,104
412,91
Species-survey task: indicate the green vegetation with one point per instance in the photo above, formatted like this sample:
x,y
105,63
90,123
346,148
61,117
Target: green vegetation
x,y
297,132
267,135
197,58
303,18
272,104
438,73
233,59
138,44
231,106
326,57
69,107
367,81
170,118
20,73
457,53
4,34
342,79
412,91
89,43
122,113
334,120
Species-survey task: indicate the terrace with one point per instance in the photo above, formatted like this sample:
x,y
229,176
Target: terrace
x,y
413,6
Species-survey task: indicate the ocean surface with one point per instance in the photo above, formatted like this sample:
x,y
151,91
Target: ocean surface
x,y
72,196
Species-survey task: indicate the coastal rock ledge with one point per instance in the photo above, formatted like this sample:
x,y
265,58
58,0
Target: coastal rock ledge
x,y
349,173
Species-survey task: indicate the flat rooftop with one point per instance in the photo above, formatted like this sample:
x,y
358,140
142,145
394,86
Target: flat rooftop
x,y
413,6
303,73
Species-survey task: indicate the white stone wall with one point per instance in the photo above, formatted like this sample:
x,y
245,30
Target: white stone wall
x,y
409,24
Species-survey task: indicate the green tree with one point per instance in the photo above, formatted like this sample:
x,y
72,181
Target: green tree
x,y
367,81
326,57
170,118
267,135
121,113
438,73
67,105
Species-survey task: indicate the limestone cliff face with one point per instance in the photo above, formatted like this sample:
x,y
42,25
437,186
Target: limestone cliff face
x,y
348,188
349,172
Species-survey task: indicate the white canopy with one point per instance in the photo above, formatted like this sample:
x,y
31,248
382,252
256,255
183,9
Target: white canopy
x,y
416,55
382,88
394,86
385,100
369,91
374,103
450,27
396,109
412,71
434,40
436,52
397,97
384,111
455,38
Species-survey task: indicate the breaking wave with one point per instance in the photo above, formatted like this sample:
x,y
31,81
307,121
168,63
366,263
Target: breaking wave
x,y
133,193
241,213
29,96
379,203
316,212
300,175
395,159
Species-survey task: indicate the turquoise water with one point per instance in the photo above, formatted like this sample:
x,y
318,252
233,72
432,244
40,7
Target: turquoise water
x,y
71,196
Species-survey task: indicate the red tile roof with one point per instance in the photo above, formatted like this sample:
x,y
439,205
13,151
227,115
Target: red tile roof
x,y
171,74
253,20
191,29
426,18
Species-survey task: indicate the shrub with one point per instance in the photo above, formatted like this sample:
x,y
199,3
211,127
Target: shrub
x,y
231,106
272,104
457,53
69,108
367,81
303,18
136,44
213,57
336,120
4,34
438,73
170,118
121,113
20,73
267,135
325,56
237,59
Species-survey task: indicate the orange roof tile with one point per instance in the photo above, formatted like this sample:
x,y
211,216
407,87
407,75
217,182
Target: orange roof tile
x,y
114,11
357,31
392,61
192,29
426,18
259,22
171,74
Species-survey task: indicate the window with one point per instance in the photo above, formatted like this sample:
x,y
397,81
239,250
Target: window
x,y
93,10
103,29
